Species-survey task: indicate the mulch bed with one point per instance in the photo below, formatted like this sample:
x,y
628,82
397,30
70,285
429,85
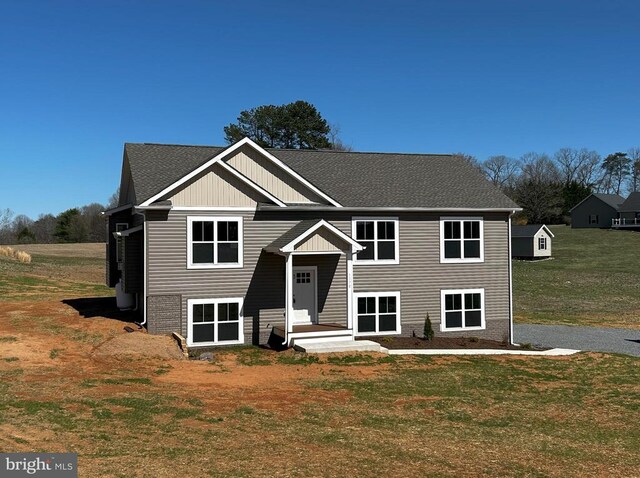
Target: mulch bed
x,y
441,343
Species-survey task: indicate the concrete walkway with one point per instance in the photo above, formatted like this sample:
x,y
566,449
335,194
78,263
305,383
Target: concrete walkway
x,y
595,339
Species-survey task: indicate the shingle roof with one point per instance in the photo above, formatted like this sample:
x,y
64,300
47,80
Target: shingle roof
x,y
352,179
529,230
613,200
631,204
157,166
291,234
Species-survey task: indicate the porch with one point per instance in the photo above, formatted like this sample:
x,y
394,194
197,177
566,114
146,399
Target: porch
x,y
316,255
625,222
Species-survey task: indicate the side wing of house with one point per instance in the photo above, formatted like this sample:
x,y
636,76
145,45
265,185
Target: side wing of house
x,y
593,213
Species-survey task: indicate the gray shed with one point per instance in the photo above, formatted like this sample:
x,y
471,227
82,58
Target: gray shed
x,y
598,210
531,241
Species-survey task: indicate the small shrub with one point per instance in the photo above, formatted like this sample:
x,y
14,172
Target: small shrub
x,y
428,329
526,346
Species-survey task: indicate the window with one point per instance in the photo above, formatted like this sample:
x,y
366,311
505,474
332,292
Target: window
x,y
379,236
303,277
377,313
593,219
215,321
214,242
461,240
462,309
120,226
542,243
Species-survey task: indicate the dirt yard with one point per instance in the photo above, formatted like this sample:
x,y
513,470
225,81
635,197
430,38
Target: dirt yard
x,y
72,379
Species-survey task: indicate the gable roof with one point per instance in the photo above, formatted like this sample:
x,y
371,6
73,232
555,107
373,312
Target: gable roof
x,y
631,204
302,230
376,180
612,200
529,230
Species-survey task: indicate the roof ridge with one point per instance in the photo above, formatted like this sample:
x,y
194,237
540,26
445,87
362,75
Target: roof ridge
x,y
294,149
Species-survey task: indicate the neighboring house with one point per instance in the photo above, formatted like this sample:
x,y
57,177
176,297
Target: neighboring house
x,y
244,244
531,241
629,212
597,210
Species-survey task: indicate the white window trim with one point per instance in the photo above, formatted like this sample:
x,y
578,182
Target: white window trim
x,y
119,259
357,295
444,260
215,220
542,240
396,222
192,302
443,327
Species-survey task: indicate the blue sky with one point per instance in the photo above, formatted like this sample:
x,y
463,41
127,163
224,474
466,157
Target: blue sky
x,y
483,77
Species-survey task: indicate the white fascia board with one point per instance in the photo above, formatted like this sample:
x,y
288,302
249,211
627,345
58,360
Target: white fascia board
x,y
286,168
114,210
127,232
355,246
251,184
544,226
193,173
226,152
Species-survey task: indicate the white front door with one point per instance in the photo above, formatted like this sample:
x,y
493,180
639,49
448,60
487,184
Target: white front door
x,y
304,295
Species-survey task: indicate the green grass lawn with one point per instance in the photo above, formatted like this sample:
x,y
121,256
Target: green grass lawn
x,y
593,279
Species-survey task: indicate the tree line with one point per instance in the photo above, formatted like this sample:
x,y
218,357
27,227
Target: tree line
x,y
78,224
548,186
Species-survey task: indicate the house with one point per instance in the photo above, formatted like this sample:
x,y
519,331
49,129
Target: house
x,y
241,244
531,241
597,210
629,212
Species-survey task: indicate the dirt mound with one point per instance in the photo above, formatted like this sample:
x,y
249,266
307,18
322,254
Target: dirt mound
x,y
141,345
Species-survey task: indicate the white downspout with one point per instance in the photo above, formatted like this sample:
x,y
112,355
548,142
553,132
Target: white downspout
x,y
144,271
510,285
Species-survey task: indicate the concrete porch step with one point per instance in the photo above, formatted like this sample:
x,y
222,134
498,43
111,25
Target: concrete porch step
x,y
337,346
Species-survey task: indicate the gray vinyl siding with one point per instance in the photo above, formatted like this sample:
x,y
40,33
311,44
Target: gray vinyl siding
x,y
419,277
592,205
260,282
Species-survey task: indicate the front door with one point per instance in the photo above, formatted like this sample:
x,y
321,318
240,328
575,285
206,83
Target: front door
x,y
304,295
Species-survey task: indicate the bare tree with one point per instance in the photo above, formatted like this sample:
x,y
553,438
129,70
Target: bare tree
x,y
114,199
501,170
539,168
588,167
634,177
617,167
335,140
6,219
472,160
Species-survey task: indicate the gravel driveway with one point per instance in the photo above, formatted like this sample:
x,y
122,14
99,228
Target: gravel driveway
x,y
595,339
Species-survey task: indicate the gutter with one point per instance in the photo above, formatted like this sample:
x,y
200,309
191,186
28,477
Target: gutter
x,y
383,209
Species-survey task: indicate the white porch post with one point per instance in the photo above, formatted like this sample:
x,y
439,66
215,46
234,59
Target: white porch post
x,y
289,293
350,290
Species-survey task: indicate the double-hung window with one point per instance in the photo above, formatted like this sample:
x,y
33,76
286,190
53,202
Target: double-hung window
x,y
379,236
120,226
461,239
377,313
542,243
593,219
215,321
214,242
462,309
